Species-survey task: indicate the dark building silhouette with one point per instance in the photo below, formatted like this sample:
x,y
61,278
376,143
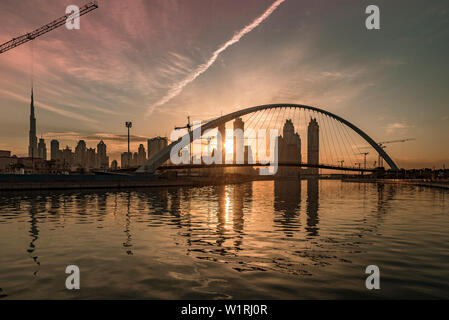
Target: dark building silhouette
x,y
114,165
289,144
135,160
289,151
67,156
42,149
54,150
32,146
102,160
239,141
81,154
126,160
141,155
90,158
221,142
313,144
155,145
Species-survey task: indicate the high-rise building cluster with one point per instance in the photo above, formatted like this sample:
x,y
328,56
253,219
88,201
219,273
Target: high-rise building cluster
x,y
131,160
288,143
83,157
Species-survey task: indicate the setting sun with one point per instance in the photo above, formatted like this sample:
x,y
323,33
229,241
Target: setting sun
x,y
229,144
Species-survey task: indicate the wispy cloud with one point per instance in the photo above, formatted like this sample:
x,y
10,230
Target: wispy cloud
x,y
393,127
179,86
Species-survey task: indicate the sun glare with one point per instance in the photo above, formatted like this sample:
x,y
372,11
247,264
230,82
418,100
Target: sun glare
x,y
229,146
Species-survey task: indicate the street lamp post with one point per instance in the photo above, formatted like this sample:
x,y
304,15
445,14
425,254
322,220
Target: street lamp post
x,y
128,124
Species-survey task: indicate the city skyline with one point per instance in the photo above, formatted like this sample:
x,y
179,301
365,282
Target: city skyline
x,y
212,152
91,85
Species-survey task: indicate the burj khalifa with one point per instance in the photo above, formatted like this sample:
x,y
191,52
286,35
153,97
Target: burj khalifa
x,y
32,147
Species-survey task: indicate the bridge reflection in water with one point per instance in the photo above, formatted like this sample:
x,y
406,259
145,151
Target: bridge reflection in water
x,y
231,205
178,238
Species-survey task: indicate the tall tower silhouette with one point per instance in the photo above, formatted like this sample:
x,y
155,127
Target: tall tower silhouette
x,y
32,146
313,144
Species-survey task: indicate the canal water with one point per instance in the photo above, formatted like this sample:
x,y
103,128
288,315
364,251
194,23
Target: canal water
x,y
259,240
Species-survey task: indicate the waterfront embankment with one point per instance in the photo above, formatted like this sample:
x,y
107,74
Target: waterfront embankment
x,y
10,182
443,184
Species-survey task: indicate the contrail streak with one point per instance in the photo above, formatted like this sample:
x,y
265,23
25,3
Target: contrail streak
x,y
178,87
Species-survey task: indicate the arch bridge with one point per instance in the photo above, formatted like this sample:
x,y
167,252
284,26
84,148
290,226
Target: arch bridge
x,y
336,135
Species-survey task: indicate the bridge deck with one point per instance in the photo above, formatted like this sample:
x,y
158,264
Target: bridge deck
x,y
283,164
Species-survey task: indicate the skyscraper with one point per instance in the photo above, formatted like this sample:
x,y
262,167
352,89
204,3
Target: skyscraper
x,y
239,141
67,156
80,154
54,148
91,158
155,145
42,149
32,145
126,159
142,155
102,158
313,144
289,149
289,144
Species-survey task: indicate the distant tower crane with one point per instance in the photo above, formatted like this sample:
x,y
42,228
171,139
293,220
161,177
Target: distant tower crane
x,y
188,126
364,160
129,125
11,44
383,146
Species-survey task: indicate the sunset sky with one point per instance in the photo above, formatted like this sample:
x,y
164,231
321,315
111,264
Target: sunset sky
x,y
154,62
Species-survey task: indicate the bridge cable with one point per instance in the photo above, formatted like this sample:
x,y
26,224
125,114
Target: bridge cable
x,y
283,117
339,146
350,136
305,129
331,154
267,127
346,136
271,114
334,137
255,123
299,132
350,158
251,119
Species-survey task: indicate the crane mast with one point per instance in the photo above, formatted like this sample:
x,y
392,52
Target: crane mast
x,y
383,146
11,44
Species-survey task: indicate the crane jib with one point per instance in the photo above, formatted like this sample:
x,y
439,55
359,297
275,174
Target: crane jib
x,y
15,42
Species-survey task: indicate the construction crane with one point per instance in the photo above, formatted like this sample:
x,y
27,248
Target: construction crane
x,y
189,127
364,159
383,146
11,44
394,141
